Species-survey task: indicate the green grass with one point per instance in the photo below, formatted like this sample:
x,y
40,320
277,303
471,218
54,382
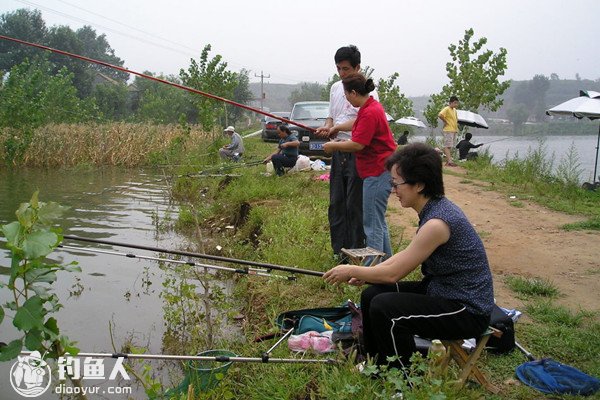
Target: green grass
x,y
532,286
287,224
592,224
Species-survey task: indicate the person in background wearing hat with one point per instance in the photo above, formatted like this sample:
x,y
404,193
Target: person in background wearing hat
x,y
234,150
287,150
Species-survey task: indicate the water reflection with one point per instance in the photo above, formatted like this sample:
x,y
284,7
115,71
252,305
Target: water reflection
x,y
123,205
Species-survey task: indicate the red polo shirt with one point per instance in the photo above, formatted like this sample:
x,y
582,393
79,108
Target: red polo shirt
x,y
371,129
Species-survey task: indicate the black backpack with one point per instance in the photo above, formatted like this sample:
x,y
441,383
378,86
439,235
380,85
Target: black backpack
x,y
505,324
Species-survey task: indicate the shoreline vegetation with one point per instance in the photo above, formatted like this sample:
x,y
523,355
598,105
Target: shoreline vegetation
x,y
144,144
283,221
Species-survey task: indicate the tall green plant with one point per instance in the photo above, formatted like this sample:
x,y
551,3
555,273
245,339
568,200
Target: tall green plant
x,y
210,76
395,102
30,240
474,76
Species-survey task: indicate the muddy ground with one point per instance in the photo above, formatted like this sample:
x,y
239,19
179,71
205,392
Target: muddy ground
x,y
525,240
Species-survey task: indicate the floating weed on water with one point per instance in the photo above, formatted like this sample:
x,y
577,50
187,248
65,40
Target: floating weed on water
x,y
77,288
532,286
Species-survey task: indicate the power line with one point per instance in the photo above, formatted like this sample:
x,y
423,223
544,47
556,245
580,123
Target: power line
x,y
152,43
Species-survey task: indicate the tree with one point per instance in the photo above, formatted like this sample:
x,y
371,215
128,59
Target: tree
x,y
517,114
64,38
538,87
327,88
306,92
25,25
474,76
33,96
394,102
242,95
163,104
98,48
210,76
111,99
554,76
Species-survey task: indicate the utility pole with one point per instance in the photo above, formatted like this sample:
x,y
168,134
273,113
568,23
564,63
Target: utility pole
x,y
262,91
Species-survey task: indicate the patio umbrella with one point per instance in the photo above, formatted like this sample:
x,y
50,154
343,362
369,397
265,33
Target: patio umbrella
x,y
471,119
411,121
587,105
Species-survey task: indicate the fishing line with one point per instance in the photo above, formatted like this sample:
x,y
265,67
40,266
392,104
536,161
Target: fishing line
x,y
267,266
245,271
189,89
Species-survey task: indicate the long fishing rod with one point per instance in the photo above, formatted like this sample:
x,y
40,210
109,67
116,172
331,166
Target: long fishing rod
x,y
199,255
498,140
169,357
129,71
245,271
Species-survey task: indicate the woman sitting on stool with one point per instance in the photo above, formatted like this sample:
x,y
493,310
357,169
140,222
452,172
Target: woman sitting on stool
x,y
287,150
454,299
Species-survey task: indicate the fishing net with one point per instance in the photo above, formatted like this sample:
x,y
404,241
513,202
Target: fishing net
x,y
204,375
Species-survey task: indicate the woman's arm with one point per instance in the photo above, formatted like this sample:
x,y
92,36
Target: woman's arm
x,y
347,146
430,236
293,143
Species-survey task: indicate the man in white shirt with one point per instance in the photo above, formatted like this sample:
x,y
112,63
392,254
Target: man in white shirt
x,y
345,186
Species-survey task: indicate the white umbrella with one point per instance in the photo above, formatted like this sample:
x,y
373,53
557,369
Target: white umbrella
x,y
411,121
587,105
471,119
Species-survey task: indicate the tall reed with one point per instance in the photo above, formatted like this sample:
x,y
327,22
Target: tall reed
x,y
113,144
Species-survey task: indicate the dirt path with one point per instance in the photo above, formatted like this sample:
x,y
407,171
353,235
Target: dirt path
x,y
525,241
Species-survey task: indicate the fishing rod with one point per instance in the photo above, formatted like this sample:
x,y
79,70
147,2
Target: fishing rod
x,y
170,357
267,266
245,271
230,166
498,140
129,71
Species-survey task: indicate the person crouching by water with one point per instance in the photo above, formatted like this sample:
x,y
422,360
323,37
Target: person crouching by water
x,y
234,150
372,141
287,150
454,299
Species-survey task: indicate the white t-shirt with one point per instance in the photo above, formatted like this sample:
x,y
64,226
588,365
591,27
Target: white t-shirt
x,y
340,110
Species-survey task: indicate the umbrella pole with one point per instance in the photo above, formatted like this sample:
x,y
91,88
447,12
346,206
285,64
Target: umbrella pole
x,y
596,163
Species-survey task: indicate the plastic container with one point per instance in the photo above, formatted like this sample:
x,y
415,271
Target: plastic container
x,y
437,353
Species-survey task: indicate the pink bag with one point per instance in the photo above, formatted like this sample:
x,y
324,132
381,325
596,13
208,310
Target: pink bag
x,y
312,340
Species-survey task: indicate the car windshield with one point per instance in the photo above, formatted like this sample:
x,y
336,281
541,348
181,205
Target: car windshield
x,y
310,111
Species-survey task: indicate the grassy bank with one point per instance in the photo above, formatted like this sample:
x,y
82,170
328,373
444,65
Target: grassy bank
x,y
284,221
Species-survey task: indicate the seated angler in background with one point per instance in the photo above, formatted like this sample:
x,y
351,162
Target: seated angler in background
x,y
287,150
464,146
454,299
234,150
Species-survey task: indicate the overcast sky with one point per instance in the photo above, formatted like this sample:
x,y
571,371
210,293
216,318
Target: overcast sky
x,y
294,41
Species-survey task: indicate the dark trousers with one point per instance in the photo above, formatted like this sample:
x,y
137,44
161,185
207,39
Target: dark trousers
x,y
393,314
345,204
281,161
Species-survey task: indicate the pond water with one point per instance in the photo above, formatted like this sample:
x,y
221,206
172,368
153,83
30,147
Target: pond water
x,y
501,146
113,204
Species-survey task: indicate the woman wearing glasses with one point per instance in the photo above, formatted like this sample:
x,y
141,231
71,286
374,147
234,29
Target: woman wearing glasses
x,y
454,299
373,142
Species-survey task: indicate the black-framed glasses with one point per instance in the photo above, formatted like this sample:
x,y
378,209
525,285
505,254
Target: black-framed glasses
x,y
395,185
